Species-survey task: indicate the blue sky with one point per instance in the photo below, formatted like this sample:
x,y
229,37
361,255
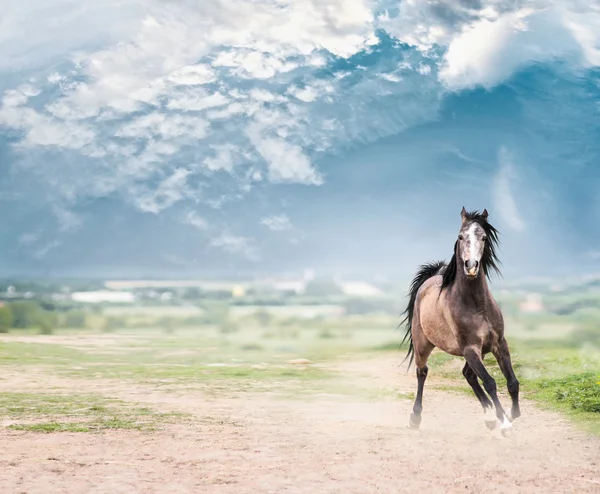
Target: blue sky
x,y
181,137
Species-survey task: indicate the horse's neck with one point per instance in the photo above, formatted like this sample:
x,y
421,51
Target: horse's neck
x,y
472,292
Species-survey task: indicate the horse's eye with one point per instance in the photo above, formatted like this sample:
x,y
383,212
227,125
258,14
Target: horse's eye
x,y
460,237
484,238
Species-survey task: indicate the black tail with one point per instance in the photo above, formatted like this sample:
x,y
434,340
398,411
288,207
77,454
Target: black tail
x,y
425,272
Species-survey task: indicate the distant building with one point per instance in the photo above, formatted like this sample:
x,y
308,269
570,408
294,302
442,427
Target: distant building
x,y
238,291
532,304
103,296
360,289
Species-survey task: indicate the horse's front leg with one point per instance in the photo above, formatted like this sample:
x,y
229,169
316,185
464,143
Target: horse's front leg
x,y
472,355
502,354
488,407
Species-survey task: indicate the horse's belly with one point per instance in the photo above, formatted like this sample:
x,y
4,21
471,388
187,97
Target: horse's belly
x,y
441,335
444,340
434,325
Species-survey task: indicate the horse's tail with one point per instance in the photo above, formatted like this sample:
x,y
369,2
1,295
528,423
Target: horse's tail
x,y
425,272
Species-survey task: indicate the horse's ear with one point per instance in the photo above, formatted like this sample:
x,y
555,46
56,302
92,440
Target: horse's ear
x,y
485,214
463,214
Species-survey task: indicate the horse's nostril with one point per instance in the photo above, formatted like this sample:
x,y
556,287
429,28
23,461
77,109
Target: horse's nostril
x,y
470,264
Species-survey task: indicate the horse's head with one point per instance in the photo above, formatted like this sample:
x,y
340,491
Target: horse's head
x,y
471,244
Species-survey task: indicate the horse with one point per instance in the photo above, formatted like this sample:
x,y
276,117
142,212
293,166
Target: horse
x,y
452,308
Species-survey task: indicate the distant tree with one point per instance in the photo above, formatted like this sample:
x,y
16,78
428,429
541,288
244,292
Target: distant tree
x,y
75,319
192,293
322,288
167,324
24,313
228,326
263,317
216,312
6,319
46,322
113,323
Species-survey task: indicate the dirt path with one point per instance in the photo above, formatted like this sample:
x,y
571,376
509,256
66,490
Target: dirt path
x,y
258,444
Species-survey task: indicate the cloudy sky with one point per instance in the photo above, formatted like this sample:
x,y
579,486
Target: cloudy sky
x,y
176,136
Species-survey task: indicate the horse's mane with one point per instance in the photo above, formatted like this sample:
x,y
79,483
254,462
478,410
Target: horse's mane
x,y
489,259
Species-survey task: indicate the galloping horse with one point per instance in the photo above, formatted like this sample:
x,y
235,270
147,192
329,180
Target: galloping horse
x,y
451,308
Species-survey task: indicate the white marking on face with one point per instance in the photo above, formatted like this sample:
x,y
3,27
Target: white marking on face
x,y
472,241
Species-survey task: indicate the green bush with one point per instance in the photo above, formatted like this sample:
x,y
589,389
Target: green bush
x,y
6,319
263,317
167,324
216,312
46,322
112,323
579,391
326,334
228,327
75,319
24,313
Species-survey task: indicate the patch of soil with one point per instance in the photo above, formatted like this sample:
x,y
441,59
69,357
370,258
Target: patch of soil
x,y
256,444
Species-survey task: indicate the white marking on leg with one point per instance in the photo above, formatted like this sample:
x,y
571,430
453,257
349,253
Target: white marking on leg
x,y
505,423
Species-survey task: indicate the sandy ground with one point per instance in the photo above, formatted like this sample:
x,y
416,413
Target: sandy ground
x,y
262,444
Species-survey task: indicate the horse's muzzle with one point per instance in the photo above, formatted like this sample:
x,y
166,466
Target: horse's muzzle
x,y
471,268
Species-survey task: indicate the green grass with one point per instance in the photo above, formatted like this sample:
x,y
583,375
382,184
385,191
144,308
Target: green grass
x,y
576,395
559,374
77,413
189,355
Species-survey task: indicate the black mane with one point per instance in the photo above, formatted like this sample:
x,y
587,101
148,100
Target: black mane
x,y
489,260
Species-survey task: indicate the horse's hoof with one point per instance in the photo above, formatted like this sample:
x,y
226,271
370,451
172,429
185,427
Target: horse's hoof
x,y
415,421
491,425
506,427
490,419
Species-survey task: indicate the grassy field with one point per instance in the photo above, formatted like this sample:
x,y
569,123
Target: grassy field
x,y
281,359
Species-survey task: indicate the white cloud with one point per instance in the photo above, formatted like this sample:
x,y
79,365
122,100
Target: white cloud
x,y
194,219
169,95
170,190
34,33
40,252
505,203
277,223
236,245
286,162
486,41
488,52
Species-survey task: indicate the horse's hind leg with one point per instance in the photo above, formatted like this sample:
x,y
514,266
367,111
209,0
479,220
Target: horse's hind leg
x,y
502,354
471,377
422,348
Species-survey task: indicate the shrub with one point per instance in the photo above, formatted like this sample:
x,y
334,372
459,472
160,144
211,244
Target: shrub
x,y
579,391
228,327
75,319
263,317
326,334
113,323
24,313
167,324
6,319
46,322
